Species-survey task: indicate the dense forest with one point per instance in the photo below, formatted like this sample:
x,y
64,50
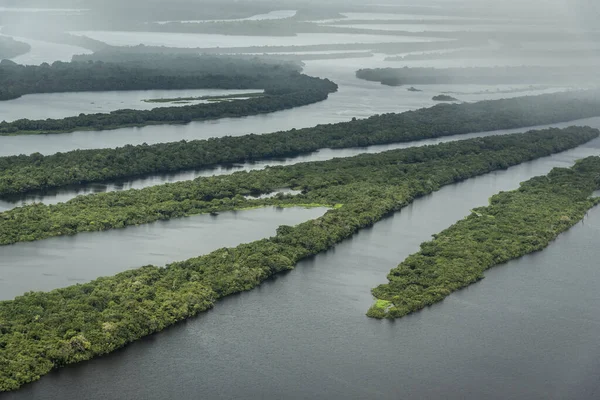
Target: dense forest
x,y
10,48
337,181
477,75
43,331
283,85
149,72
514,224
20,174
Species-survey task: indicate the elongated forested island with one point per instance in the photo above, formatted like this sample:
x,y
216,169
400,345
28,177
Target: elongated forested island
x,y
478,75
284,88
46,330
514,224
22,174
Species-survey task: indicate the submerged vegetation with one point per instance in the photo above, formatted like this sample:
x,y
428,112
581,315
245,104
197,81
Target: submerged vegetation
x,y
43,331
20,174
515,223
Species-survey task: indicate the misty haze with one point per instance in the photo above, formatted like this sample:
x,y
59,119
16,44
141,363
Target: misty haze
x,y
299,199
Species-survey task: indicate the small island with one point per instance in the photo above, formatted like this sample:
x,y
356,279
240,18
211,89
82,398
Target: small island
x,y
444,97
413,89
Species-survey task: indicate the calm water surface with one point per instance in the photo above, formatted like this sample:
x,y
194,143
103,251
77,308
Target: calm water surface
x,y
61,105
205,40
63,261
42,52
528,331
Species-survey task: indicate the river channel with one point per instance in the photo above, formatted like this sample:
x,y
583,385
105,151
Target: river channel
x,y
528,331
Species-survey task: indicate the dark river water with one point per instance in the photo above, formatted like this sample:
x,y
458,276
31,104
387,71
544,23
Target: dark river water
x,y
527,331
63,261
67,193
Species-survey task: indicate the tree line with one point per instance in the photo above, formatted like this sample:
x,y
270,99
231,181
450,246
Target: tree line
x,y
515,223
21,174
153,71
477,75
283,85
43,331
337,181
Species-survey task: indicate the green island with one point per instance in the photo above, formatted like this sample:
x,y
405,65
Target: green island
x,y
21,174
41,331
207,98
444,97
515,223
337,181
477,75
284,88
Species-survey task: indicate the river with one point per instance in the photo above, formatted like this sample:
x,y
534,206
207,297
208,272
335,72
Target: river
x,y
64,194
59,262
61,105
528,331
355,98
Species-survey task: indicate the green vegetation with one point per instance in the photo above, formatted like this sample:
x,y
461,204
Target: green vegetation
x,y
20,174
514,224
283,86
43,331
443,97
209,98
338,181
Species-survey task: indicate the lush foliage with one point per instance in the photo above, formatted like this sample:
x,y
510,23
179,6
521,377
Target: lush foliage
x,y
284,88
42,331
20,174
514,224
346,180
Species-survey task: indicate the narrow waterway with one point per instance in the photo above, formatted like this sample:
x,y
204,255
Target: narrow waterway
x,y
67,193
63,261
61,105
528,331
355,98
